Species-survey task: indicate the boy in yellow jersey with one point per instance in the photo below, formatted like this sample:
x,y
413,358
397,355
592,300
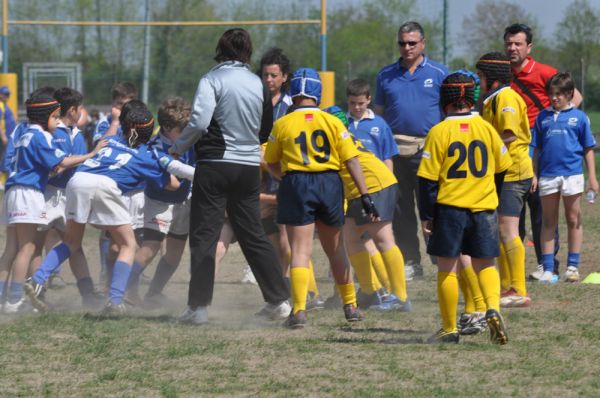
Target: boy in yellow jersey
x,y
462,167
383,188
505,109
306,149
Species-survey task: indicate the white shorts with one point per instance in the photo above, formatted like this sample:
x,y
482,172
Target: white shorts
x,y
96,199
167,217
135,203
24,205
56,201
567,186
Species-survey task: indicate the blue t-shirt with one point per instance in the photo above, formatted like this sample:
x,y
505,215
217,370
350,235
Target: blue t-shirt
x,y
10,146
161,145
78,141
61,139
9,120
102,127
127,166
34,158
374,133
411,102
561,138
281,107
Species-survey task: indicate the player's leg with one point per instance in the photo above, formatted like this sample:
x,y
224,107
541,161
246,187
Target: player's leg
x,y
124,237
360,260
26,247
6,261
550,211
572,205
301,244
167,265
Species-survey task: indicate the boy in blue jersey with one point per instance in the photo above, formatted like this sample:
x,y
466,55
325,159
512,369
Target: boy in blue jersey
x,y
95,195
166,213
24,205
562,140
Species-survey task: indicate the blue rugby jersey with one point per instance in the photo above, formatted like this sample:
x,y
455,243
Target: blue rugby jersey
x,y
411,102
34,158
161,145
61,139
10,147
102,127
127,166
374,133
561,138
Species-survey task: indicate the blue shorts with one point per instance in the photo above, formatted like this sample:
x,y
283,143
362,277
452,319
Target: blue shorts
x,y
513,196
457,230
385,203
304,198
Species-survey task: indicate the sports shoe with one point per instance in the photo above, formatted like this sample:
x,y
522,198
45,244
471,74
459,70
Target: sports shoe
x,y
414,268
56,282
34,291
511,299
497,328
15,308
409,272
295,321
537,274
112,309
548,277
470,324
274,312
367,300
352,313
314,302
393,303
572,274
248,276
199,316
93,301
442,337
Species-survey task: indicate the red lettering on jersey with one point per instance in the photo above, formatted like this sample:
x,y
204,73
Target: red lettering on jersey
x,y
308,117
464,127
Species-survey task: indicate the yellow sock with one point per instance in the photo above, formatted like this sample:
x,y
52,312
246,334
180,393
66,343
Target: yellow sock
x,y
312,281
299,281
515,254
466,291
504,270
379,266
347,293
394,264
447,286
361,262
473,281
489,280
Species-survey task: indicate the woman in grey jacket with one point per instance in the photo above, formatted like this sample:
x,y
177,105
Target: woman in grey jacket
x,y
232,114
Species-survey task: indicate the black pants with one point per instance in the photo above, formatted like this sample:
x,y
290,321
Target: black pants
x,y
405,222
233,187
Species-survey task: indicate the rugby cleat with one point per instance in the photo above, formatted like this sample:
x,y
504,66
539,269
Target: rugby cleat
x,y
352,313
296,321
443,337
497,328
274,312
572,274
34,292
470,324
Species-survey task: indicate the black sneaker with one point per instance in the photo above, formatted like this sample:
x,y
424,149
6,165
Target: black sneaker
x,y
296,321
34,292
364,300
497,328
443,337
352,313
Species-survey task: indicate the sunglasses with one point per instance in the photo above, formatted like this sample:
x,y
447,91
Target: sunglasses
x,y
409,43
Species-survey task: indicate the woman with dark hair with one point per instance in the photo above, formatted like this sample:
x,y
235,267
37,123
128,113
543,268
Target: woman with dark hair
x,y
231,115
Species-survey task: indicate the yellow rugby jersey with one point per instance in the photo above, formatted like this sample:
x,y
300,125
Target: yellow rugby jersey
x,y
311,141
463,153
377,175
506,110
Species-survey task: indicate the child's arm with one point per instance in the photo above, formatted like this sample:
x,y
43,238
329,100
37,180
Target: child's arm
x,y
390,164
268,198
590,162
72,161
535,160
353,166
173,184
114,124
428,190
274,169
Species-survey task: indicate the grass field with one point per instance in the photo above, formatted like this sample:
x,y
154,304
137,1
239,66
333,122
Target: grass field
x,y
553,349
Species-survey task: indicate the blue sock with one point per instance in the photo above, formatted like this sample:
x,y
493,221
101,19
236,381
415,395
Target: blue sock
x,y
118,283
15,293
103,247
548,262
573,259
51,263
134,276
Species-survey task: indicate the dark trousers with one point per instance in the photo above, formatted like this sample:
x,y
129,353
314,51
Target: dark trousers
x,y
535,216
233,187
405,222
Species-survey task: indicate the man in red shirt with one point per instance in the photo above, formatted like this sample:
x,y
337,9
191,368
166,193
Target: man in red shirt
x,y
529,80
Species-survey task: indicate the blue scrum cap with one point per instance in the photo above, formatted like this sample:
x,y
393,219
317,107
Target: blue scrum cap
x,y
307,83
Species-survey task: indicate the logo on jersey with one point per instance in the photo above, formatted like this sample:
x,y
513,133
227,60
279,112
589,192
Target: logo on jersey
x,y
345,135
428,83
464,127
572,121
164,161
308,117
426,155
58,153
508,109
503,150
375,131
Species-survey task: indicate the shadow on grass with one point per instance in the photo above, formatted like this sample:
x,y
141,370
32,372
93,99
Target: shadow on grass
x,y
409,336
151,318
364,340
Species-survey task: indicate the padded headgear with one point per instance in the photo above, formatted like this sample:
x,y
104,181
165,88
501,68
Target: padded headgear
x,y
137,123
496,67
339,113
475,78
307,83
457,89
40,108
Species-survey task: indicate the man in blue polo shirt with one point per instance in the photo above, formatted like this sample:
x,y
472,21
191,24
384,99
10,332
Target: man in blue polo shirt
x,y
407,97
